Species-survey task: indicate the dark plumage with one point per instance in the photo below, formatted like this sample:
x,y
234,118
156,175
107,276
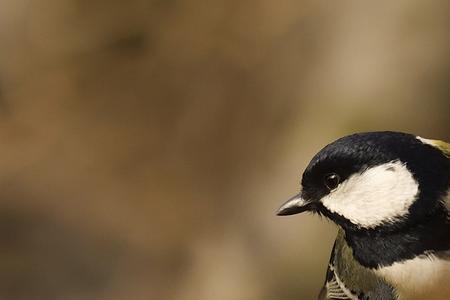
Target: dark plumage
x,y
415,225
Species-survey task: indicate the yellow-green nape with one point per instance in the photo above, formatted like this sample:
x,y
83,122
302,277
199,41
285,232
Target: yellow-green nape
x,y
441,145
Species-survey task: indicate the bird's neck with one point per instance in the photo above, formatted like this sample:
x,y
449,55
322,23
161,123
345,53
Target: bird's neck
x,y
374,248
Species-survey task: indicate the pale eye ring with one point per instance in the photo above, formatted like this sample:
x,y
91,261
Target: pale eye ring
x,y
331,181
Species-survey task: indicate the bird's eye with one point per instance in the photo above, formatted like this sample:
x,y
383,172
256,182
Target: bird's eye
x,y
331,181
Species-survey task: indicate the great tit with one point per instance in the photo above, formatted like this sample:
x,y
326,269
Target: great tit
x,y
388,192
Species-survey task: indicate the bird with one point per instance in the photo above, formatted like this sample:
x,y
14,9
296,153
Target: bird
x,y
388,194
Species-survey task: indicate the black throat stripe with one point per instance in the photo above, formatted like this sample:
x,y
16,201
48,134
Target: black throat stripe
x,y
373,248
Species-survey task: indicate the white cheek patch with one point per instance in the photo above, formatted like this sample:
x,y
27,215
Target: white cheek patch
x,y
379,195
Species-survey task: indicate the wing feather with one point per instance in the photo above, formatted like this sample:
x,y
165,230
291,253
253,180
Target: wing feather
x,y
334,288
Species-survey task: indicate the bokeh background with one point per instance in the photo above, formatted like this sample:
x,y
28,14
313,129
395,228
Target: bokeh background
x,y
145,145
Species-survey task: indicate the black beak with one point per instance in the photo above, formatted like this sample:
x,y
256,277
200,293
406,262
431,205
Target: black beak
x,y
294,205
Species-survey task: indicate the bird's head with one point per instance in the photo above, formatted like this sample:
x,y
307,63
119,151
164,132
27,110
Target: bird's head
x,y
376,180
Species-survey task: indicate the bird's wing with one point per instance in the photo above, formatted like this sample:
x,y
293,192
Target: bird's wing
x,y
334,288
347,280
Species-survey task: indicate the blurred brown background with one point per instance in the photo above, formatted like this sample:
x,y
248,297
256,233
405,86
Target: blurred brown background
x,y
145,145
